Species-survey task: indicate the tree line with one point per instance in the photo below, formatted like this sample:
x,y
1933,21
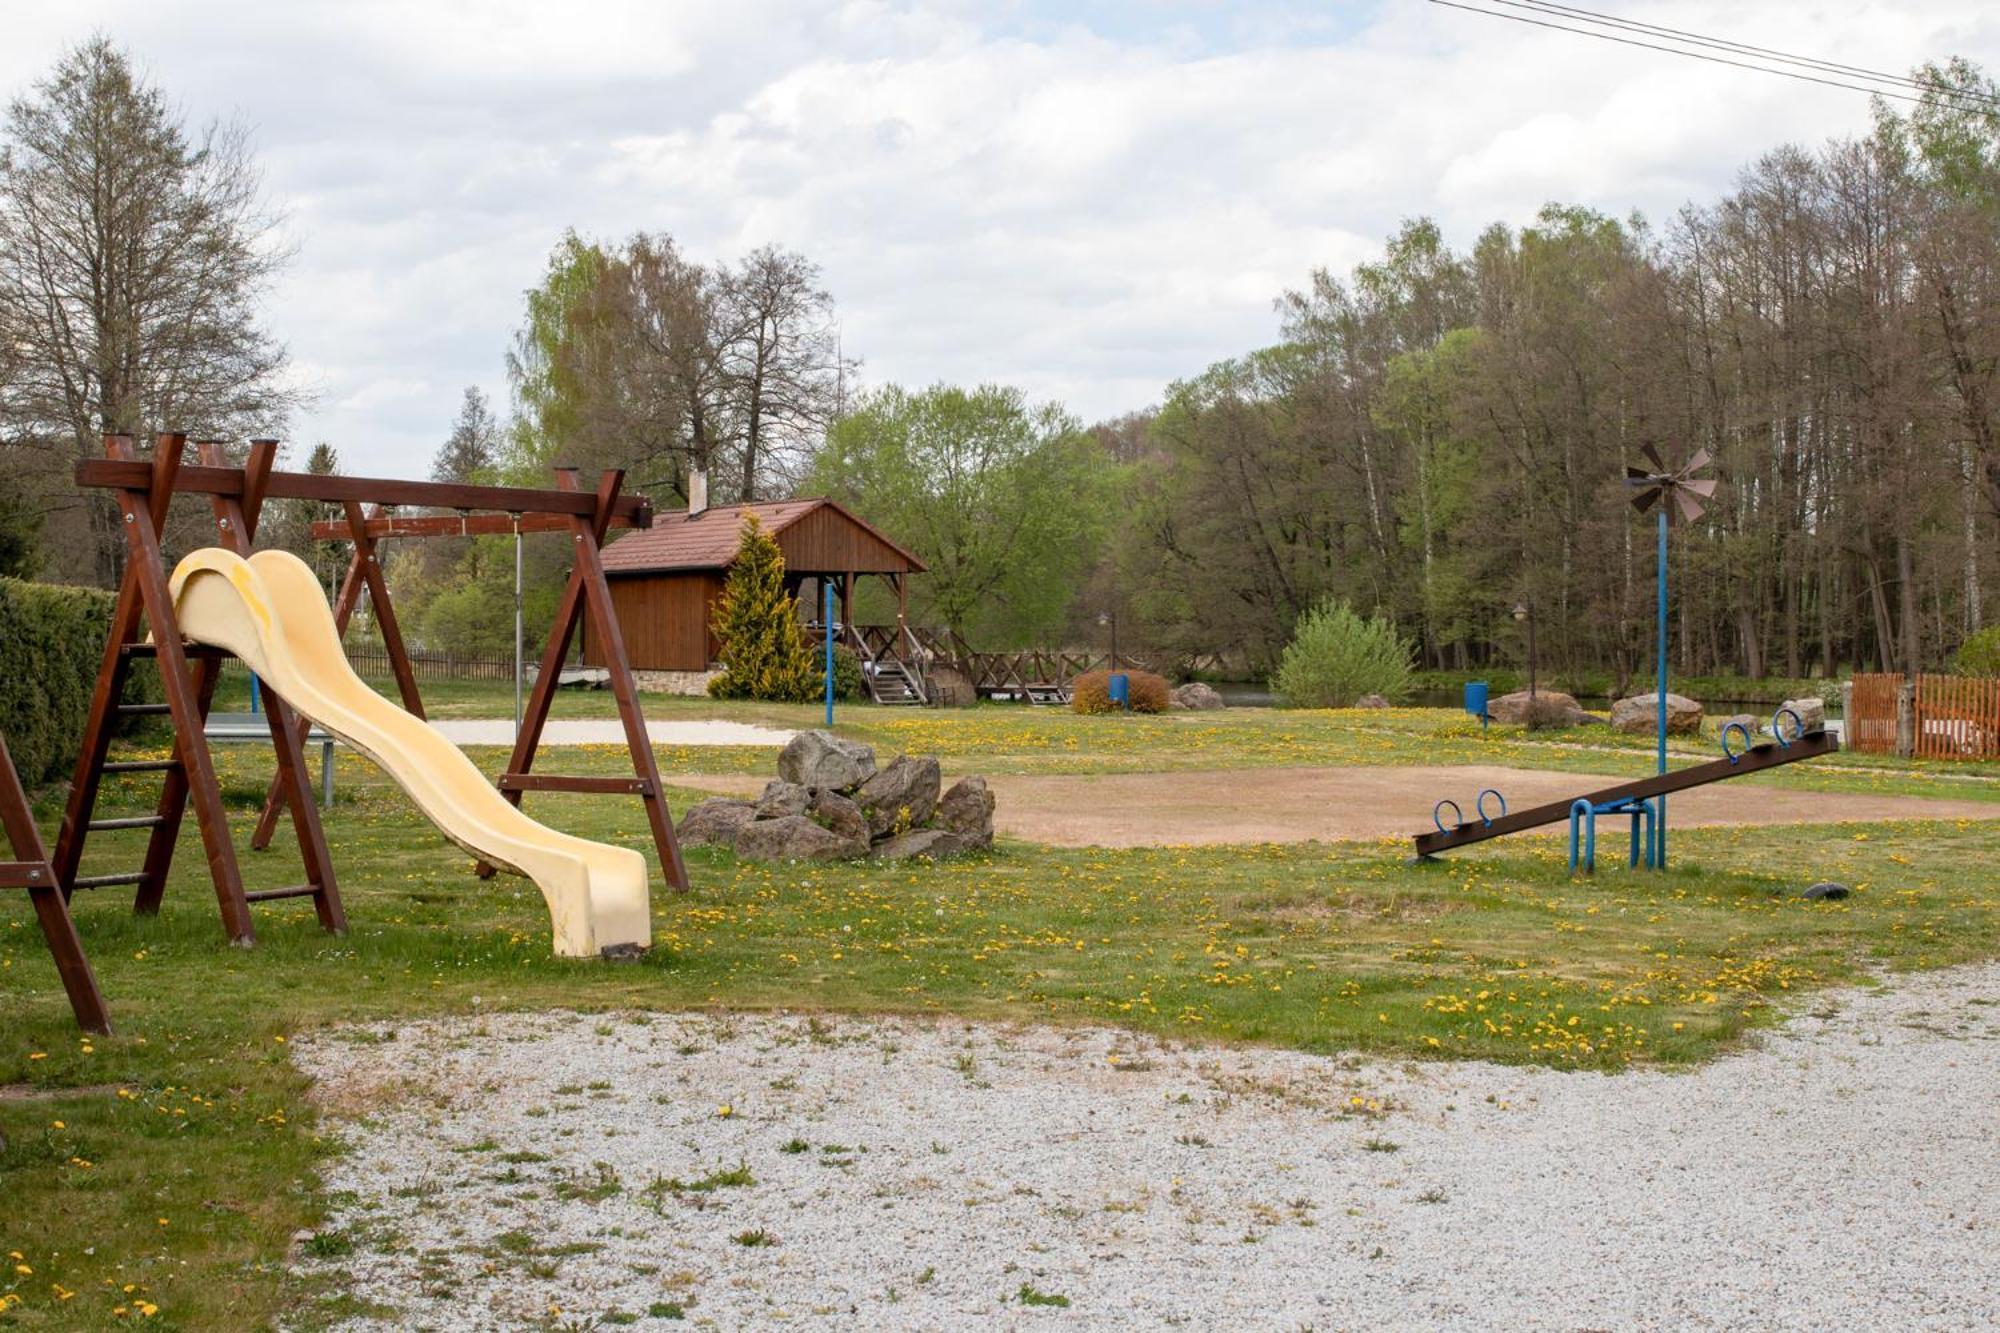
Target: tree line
x,y
1437,437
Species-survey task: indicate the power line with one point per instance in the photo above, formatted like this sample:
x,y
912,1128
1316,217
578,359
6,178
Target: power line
x,y
1979,99
1741,48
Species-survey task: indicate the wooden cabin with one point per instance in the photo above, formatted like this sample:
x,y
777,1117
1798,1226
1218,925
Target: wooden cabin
x,y
666,580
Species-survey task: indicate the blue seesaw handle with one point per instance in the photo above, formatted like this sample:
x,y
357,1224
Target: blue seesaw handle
x,y
1748,740
1778,726
1458,816
1480,805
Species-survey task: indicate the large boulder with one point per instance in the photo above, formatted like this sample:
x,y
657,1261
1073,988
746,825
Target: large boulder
x,y
1639,714
1751,723
1196,696
951,688
822,759
1372,701
839,815
1812,712
967,810
901,796
714,822
794,838
930,842
783,798
1546,708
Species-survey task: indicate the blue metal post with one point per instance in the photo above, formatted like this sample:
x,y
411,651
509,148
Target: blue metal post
x,y
828,585
1660,820
256,701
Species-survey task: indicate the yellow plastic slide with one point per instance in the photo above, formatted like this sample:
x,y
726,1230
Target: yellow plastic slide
x,y
270,612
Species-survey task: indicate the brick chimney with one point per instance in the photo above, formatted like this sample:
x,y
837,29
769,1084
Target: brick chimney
x,y
697,493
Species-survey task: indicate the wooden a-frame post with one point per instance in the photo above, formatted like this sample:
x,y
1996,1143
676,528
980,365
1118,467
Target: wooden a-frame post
x,y
363,571
587,594
30,870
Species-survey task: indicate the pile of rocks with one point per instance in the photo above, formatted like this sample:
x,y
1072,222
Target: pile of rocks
x,y
830,802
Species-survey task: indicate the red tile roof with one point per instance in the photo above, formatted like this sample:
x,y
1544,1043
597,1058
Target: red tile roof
x,y
710,539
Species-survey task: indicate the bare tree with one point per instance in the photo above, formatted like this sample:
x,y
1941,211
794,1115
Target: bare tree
x,y
781,353
131,258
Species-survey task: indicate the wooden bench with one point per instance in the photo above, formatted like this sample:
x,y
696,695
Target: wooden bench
x,y
235,728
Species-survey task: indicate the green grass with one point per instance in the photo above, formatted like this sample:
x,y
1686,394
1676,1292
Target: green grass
x,y
179,1157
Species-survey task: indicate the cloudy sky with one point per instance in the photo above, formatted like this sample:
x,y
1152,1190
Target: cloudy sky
x,y
1087,200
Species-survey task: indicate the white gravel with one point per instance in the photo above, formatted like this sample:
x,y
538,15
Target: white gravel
x,y
1844,1173
610,731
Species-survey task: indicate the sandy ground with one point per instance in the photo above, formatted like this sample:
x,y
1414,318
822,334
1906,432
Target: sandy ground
x,y
1332,804
610,731
1838,1174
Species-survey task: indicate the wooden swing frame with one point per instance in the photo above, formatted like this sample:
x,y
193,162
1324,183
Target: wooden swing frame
x,y
188,672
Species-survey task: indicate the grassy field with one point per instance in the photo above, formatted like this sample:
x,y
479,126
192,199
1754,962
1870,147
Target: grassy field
x,y
159,1175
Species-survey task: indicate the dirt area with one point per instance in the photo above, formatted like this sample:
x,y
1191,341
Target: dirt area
x,y
1350,804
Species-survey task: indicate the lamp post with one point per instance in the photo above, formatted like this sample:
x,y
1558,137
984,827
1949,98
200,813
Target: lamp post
x,y
1525,613
1107,618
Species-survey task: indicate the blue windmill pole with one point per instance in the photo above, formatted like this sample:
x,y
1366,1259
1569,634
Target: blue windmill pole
x,y
1660,635
1675,493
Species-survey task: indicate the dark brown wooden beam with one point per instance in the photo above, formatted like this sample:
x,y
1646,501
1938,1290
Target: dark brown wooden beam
x,y
451,525
557,782
133,475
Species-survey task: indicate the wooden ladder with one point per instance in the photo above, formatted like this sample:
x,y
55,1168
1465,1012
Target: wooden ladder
x,y
188,776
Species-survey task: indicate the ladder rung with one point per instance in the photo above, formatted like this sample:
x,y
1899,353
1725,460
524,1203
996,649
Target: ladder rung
x,y
136,821
187,650
295,891
142,765
134,709
106,881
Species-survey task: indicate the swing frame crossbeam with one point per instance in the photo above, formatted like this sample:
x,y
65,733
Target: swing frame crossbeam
x,y
143,490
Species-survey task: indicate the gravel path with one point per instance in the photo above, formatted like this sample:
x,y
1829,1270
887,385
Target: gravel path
x,y
610,731
1842,1173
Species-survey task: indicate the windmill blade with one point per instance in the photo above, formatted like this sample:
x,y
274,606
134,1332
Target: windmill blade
x,y
1691,508
1700,460
1644,499
1704,487
1653,456
1637,476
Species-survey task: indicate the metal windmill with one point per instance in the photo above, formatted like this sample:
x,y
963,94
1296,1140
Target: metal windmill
x,y
1682,498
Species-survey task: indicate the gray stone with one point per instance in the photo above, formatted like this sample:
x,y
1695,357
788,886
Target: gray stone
x,y
1751,723
714,823
1812,712
794,838
822,759
1513,709
1197,696
1639,714
931,842
951,688
1371,701
839,815
1826,889
901,796
967,810
782,798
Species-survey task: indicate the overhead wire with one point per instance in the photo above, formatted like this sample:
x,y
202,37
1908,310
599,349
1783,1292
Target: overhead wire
x,y
1905,81
1980,100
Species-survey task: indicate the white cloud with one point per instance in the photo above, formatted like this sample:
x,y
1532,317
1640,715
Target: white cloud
x,y
1085,202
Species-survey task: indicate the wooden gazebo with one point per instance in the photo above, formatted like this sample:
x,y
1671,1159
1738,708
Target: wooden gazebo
x,y
666,580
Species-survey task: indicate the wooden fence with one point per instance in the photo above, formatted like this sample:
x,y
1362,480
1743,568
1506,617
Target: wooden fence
x,y
1953,717
436,666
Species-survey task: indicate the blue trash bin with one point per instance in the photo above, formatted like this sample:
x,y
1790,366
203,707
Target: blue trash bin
x,y
1120,686
1475,698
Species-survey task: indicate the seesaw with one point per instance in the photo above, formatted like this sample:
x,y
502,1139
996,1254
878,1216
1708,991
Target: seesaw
x,y
1641,799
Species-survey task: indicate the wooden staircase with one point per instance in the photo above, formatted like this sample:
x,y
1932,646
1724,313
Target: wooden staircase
x,y
893,683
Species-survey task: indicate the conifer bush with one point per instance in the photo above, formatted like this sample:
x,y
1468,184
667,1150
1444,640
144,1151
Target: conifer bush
x,y
1336,656
764,651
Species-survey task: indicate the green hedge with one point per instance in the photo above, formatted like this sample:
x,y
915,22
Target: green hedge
x,y
51,640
